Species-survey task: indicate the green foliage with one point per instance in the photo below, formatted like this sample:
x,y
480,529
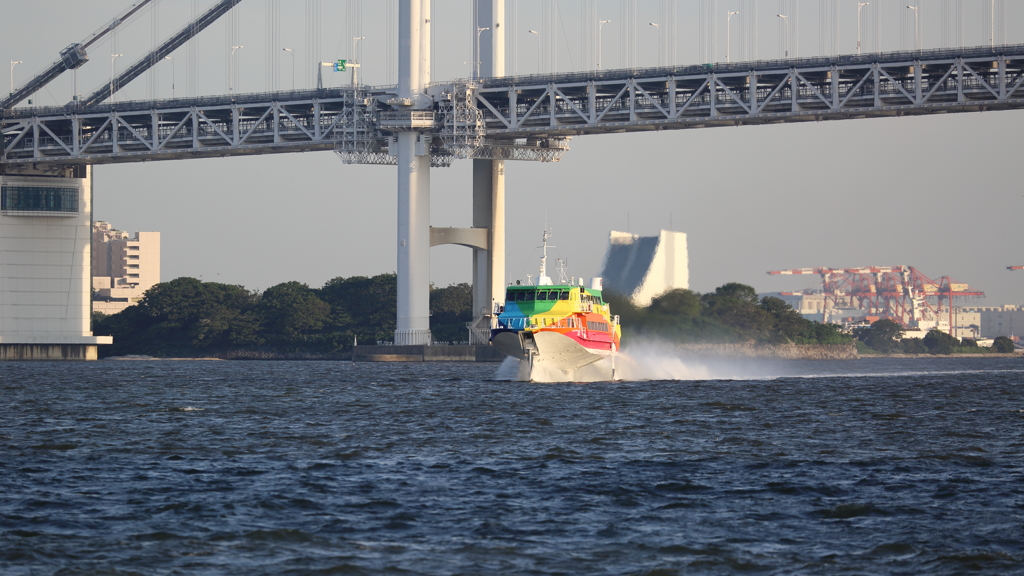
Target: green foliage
x,y
291,310
450,309
1002,345
913,346
735,305
675,315
362,306
187,317
882,336
939,342
678,303
864,349
732,313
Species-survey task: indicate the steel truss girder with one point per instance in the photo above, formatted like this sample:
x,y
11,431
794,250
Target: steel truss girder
x,y
515,119
182,132
710,98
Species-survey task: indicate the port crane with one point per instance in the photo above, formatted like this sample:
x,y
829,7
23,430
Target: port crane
x,y
900,293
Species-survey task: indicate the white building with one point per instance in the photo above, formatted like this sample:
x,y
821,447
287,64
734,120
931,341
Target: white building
x,y
45,221
123,267
994,321
643,267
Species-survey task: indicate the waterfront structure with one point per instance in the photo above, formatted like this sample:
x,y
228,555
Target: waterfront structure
x,y
994,321
643,267
45,254
123,267
901,293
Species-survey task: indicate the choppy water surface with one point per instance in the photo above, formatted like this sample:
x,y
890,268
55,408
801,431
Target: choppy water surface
x,y
866,467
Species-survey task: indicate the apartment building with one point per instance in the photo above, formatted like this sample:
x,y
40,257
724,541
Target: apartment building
x,y
123,266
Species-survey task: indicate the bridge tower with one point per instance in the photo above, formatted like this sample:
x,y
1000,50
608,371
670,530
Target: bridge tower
x,y
46,263
412,141
489,186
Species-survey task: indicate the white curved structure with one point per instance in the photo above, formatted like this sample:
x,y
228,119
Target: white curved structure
x,y
642,267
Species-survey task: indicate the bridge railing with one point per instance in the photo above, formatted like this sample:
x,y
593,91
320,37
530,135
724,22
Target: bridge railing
x,y
779,64
218,100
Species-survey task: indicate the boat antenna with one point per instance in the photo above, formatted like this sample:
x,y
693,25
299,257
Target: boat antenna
x,y
562,267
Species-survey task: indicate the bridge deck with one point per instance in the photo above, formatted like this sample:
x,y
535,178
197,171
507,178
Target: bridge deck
x,y
522,117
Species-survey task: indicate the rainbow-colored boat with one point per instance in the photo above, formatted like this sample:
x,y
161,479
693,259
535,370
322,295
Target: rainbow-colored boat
x,y
556,327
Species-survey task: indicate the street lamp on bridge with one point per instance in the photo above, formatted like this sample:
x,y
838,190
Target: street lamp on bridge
x,y
292,52
231,72
172,74
538,48
112,58
479,31
15,63
599,26
916,28
786,20
992,24
355,65
658,26
859,6
728,30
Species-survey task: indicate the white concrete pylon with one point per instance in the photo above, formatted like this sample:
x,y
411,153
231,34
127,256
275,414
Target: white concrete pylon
x,y
489,176
413,322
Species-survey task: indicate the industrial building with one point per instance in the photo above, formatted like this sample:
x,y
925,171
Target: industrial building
x,y
123,267
995,321
642,267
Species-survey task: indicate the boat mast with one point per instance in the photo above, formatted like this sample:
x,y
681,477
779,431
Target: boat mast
x,y
543,279
544,256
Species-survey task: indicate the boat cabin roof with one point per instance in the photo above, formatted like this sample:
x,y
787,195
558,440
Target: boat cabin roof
x,y
556,292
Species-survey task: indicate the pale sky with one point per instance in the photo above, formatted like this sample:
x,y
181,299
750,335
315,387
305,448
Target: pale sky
x,y
939,193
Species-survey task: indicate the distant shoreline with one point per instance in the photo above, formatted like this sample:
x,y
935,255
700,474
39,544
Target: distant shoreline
x,y
984,355
745,351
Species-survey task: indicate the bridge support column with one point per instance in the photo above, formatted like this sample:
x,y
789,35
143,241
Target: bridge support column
x,y
413,326
413,321
488,212
489,186
46,264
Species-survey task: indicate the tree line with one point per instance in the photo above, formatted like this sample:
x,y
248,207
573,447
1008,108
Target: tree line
x,y
887,337
188,317
732,313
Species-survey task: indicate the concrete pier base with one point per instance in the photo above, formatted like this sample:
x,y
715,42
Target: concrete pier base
x,y
48,352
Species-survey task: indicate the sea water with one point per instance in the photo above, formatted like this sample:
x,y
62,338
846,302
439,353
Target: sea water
x,y
873,466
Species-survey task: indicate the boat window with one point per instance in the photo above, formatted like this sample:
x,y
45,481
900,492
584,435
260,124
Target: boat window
x,y
520,296
553,295
564,295
510,296
542,294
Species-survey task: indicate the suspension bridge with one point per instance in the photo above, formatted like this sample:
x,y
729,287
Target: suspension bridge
x,y
420,124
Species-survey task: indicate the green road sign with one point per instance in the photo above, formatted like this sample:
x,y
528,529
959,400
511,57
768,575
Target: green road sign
x,y
339,66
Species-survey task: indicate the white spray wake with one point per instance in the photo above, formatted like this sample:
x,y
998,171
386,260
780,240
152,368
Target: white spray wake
x,y
642,360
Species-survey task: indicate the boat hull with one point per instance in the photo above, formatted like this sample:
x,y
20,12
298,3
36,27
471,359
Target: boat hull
x,y
544,354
